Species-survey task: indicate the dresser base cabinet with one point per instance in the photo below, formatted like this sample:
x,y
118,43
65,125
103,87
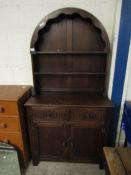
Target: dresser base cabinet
x,y
68,132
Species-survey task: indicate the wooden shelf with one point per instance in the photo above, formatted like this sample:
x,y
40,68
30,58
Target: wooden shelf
x,y
67,59
67,52
71,90
69,73
69,98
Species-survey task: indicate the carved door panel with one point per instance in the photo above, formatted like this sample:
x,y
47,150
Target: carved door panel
x,y
86,142
51,137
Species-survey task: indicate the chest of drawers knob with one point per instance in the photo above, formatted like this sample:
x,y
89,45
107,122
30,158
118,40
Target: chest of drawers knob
x,y
1,109
3,125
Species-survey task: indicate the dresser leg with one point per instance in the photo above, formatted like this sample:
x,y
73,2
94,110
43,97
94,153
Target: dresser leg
x,y
35,161
101,163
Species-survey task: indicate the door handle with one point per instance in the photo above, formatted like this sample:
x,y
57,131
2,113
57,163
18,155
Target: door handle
x,y
65,143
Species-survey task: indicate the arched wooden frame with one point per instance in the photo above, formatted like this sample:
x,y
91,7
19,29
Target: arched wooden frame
x,y
70,11
101,77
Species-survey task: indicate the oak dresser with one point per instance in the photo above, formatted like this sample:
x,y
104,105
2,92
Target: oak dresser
x,y
69,113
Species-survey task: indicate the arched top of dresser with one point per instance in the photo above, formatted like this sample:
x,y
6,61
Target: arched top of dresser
x,y
70,12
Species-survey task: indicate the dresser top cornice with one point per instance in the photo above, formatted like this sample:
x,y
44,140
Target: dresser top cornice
x,y
13,92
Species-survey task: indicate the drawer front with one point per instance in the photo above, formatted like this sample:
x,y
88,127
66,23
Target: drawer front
x,y
48,114
8,108
89,114
9,124
11,138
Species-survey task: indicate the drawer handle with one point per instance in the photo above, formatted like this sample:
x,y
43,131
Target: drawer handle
x,y
65,143
103,131
50,115
1,109
90,116
3,125
87,116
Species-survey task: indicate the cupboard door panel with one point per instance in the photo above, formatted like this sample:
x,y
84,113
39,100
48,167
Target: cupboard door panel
x,y
86,142
51,137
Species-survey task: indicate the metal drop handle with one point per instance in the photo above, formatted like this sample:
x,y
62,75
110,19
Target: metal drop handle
x,y
65,143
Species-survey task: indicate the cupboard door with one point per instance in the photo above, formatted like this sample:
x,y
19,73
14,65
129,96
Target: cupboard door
x,y
86,142
50,138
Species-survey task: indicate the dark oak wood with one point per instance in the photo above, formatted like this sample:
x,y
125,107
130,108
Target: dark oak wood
x,y
68,52
84,137
84,120
69,40
69,112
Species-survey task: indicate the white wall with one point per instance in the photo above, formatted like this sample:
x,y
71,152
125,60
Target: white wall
x,y
18,19
128,76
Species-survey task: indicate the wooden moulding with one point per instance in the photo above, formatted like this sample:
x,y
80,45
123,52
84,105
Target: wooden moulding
x,y
70,11
78,51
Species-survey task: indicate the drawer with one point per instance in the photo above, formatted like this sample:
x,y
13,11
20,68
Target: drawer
x,y
9,124
8,108
48,114
11,138
89,114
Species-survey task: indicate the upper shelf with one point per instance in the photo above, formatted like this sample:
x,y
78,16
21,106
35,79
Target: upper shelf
x,y
67,52
70,73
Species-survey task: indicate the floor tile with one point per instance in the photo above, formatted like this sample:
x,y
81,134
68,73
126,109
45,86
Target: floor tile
x,y
63,168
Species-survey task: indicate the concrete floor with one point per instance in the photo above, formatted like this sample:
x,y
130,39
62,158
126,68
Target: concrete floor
x,y
62,168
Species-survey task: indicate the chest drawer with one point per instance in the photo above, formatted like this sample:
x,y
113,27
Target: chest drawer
x,y
88,114
8,108
49,114
9,124
11,138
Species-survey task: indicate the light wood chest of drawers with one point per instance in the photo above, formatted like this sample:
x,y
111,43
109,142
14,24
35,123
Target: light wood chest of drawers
x,y
13,125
